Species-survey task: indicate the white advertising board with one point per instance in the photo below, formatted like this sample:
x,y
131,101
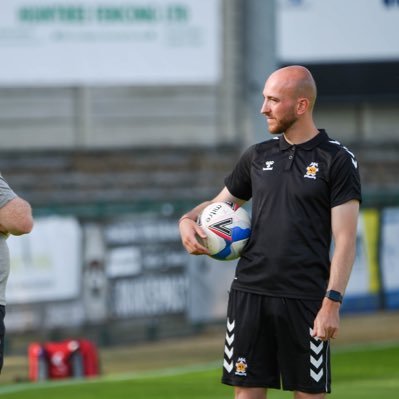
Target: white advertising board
x,y
140,42
312,31
45,264
390,249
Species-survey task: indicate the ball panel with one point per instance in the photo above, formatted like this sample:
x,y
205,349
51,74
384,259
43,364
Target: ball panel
x,y
221,228
213,242
239,233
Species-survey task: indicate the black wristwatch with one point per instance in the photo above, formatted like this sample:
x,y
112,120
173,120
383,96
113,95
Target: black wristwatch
x,y
334,296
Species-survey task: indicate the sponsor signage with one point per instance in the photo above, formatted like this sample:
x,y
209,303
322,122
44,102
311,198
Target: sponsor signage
x,y
46,264
138,42
317,31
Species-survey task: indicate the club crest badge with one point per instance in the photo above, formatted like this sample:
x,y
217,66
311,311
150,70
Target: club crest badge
x,y
312,170
241,367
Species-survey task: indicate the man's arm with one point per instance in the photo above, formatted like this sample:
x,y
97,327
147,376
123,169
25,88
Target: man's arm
x,y
16,217
189,229
344,226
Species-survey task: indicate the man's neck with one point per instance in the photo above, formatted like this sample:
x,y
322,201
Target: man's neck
x,y
297,136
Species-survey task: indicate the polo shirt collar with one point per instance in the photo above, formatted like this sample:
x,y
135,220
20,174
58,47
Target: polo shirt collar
x,y
307,145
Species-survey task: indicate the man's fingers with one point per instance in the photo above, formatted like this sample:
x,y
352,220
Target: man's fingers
x,y
189,226
194,246
334,333
199,249
325,334
200,231
320,334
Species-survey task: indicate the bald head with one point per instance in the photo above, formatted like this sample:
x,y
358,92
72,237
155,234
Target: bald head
x,y
298,80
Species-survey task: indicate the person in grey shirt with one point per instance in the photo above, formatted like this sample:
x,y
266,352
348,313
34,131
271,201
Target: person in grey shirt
x,y
16,219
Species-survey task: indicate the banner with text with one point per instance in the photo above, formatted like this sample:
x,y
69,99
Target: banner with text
x,y
138,42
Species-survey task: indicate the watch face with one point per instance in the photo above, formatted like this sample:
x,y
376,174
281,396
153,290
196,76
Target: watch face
x,y
334,296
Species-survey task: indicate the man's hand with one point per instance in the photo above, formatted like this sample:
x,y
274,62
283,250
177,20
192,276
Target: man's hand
x,y
190,231
326,324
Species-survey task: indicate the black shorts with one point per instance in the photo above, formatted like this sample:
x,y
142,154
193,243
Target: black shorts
x,y
2,334
269,344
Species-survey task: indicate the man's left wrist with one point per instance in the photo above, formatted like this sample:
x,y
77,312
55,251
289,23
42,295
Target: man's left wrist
x,y
334,296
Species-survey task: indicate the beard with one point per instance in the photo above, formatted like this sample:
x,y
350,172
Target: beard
x,y
277,126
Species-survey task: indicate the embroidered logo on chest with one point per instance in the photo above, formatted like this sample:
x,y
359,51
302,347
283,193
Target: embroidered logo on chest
x,y
269,165
312,170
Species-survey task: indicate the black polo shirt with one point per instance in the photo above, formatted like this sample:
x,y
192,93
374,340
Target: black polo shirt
x,y
293,188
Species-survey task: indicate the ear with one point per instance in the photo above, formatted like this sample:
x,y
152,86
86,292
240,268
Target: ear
x,y
302,105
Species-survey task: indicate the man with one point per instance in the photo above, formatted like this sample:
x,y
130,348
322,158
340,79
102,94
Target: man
x,y
285,298
15,219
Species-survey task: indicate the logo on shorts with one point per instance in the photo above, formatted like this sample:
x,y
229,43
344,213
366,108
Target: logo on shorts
x,y
316,357
241,367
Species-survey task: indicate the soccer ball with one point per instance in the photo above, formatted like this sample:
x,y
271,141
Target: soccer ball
x,y
227,227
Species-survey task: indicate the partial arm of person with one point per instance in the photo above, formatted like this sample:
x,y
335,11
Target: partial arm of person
x,y
344,225
16,217
190,230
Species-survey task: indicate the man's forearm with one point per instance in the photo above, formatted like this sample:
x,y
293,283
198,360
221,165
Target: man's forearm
x,y
16,217
195,212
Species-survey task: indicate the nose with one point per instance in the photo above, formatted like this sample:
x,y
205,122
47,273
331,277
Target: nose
x,y
265,109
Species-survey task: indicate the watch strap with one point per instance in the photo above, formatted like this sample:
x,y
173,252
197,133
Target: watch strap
x,y
334,296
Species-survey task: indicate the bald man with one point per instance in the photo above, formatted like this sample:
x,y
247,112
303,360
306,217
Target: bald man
x,y
285,298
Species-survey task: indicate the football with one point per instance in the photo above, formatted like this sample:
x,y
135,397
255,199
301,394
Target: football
x,y
227,227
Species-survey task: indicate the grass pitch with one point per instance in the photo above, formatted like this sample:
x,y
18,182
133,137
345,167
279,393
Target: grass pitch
x,y
366,372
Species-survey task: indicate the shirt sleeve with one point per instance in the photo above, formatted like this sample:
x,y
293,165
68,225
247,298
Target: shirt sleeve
x,y
239,181
345,179
6,194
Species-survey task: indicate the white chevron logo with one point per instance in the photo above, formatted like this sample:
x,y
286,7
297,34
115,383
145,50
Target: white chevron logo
x,y
316,348
229,339
228,352
317,376
230,326
316,363
228,366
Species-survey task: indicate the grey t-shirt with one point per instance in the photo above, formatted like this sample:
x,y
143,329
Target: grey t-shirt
x,y
6,195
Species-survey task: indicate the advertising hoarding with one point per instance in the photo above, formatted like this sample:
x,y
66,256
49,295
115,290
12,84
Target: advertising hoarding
x,y
104,42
